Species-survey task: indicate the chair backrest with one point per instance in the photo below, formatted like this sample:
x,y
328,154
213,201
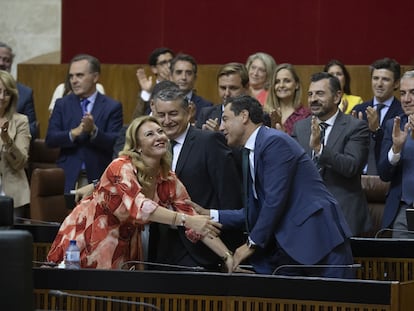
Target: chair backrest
x,y
47,200
41,156
16,247
375,190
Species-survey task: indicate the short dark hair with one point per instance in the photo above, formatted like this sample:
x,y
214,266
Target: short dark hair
x,y
389,64
347,84
246,102
172,93
334,84
184,58
153,58
162,85
94,64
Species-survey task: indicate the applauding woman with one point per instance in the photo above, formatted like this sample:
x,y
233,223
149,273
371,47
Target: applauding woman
x,y
14,147
136,188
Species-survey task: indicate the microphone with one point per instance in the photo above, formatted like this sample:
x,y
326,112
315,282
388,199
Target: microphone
x,y
49,264
351,266
35,221
379,232
164,265
59,293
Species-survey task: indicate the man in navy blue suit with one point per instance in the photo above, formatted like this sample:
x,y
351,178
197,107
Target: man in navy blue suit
x,y
184,73
25,103
396,162
84,125
289,215
385,79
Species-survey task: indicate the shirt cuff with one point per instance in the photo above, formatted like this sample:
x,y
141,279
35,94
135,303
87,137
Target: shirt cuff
x,y
214,214
145,95
393,158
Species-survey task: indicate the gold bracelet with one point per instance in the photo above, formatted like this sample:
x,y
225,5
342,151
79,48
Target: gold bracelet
x,y
227,254
174,219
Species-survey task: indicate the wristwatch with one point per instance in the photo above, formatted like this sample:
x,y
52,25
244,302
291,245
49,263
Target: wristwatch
x,y
250,244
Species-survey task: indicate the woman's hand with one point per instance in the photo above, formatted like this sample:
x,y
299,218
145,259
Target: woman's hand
x,y
203,225
83,192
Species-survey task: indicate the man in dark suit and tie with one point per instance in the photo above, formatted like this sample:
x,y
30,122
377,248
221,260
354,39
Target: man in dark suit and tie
x,y
232,81
25,103
184,73
205,165
290,216
84,125
396,163
342,153
385,78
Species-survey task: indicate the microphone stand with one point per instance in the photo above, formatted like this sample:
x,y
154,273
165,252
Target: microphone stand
x,y
164,265
379,232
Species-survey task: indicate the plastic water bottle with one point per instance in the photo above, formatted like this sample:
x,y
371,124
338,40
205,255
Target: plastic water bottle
x,y
72,256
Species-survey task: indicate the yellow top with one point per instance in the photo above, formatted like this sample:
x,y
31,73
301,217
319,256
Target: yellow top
x,y
352,101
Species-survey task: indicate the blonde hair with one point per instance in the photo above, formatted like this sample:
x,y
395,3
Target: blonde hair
x,y
130,150
272,101
269,63
10,85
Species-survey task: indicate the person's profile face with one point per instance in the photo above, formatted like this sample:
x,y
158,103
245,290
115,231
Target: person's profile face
x,y
172,116
6,59
232,127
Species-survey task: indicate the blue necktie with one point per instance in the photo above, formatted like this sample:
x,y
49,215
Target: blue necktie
x,y
84,104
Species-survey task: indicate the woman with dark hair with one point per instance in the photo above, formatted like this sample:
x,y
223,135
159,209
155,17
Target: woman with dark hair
x,y
136,188
348,101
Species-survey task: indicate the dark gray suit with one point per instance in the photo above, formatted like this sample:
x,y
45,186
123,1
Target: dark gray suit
x,y
342,160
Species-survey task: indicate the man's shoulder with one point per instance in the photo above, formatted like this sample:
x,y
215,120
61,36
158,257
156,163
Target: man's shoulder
x,y
363,106
23,88
198,100
106,99
205,138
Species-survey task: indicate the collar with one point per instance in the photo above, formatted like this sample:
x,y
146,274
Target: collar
x,y
180,139
387,103
331,120
252,139
92,98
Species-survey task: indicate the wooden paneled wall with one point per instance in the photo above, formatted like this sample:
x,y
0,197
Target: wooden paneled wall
x,y
120,82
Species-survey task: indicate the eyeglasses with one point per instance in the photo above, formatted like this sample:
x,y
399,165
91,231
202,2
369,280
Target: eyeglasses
x,y
164,62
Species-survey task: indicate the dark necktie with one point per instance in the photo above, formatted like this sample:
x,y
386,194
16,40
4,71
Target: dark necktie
x,y
323,126
247,183
172,144
84,104
379,108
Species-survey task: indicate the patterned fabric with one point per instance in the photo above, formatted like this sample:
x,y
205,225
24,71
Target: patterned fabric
x,y
298,114
107,225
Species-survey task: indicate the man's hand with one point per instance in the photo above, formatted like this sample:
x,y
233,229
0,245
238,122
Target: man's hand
x,y
373,118
75,132
144,82
199,209
211,125
315,137
358,115
88,123
242,252
399,137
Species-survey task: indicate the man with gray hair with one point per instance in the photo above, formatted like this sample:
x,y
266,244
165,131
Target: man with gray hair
x,y
205,165
25,103
396,163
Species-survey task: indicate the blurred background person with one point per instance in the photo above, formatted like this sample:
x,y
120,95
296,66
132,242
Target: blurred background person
x,y
348,101
14,147
260,67
284,101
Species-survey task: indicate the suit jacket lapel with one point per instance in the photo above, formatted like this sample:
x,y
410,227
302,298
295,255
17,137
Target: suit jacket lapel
x,y
336,131
185,150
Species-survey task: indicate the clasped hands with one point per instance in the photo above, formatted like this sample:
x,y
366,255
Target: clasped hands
x,y
232,262
87,125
